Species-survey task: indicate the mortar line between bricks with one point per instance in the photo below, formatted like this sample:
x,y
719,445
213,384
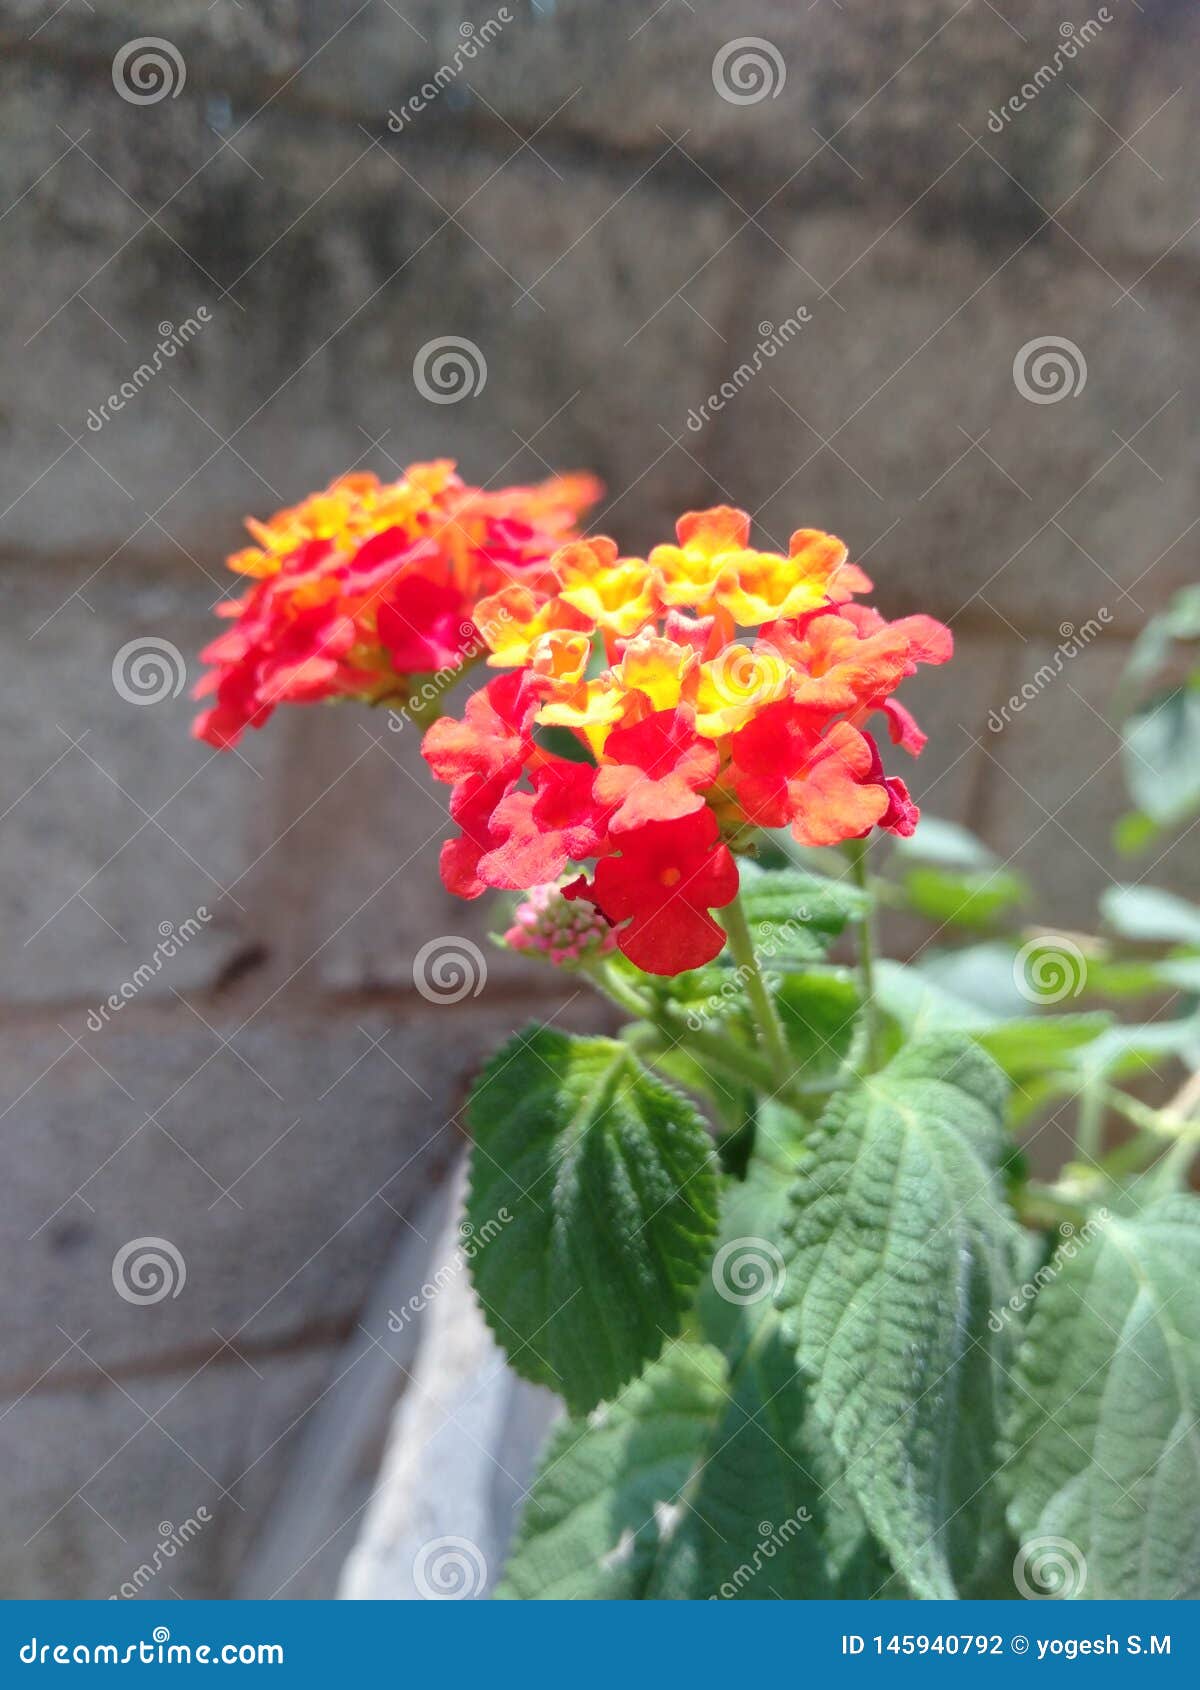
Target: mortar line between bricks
x,y
57,1380
341,1002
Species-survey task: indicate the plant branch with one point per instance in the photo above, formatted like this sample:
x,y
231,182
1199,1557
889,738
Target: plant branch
x,y
856,851
770,1031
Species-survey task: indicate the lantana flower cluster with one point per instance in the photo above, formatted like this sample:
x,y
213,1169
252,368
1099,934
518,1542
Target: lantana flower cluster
x,y
361,588
707,691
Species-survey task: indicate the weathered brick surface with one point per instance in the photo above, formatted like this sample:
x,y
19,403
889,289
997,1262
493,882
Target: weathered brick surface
x,y
119,829
94,1485
277,1158
907,362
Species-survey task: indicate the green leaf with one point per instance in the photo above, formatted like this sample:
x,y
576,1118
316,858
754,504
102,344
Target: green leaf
x,y
963,900
1104,1432
1042,1044
607,1485
1152,648
696,1482
707,1476
902,1246
922,1006
946,844
1134,831
606,1176
1161,756
766,1515
795,915
748,1264
1025,1046
1147,912
818,1012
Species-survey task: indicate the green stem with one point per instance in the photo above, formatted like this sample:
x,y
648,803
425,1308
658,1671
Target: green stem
x,y
770,1031
1043,1207
1089,1127
669,1028
856,851
733,1060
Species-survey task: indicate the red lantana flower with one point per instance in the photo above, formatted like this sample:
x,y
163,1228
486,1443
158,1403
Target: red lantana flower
x,y
697,731
667,877
362,588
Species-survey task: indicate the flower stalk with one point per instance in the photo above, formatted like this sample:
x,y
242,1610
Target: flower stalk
x,y
856,852
770,1029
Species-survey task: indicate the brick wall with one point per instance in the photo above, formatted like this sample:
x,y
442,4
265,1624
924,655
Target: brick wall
x,y
616,239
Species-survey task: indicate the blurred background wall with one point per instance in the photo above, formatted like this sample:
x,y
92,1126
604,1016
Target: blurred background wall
x,y
618,204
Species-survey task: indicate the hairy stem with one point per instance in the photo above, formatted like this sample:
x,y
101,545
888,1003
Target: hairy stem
x,y
856,851
670,1029
770,1032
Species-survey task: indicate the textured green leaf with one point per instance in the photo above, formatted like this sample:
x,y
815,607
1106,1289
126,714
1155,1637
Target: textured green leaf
x,y
707,1476
901,1248
697,1481
1025,1046
607,1178
819,1014
607,1486
795,915
767,1516
1105,1427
